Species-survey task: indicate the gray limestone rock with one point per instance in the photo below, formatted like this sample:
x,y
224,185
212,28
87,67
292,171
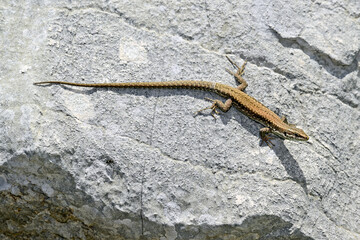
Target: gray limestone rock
x,y
90,163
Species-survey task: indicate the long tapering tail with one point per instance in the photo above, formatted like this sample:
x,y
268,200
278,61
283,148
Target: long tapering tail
x,y
167,84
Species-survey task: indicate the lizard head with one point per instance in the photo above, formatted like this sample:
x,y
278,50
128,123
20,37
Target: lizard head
x,y
292,133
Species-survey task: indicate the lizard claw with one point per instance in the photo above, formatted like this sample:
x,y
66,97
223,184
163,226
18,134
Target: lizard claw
x,y
240,70
212,107
267,139
264,135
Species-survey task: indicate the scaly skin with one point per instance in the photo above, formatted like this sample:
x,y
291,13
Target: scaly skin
x,y
235,96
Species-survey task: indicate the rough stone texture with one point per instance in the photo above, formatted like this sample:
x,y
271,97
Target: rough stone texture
x,y
136,164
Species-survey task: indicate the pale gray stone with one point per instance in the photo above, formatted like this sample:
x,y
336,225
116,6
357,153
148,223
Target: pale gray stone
x,y
137,164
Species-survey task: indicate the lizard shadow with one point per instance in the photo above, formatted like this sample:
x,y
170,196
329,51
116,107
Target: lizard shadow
x,y
157,92
161,92
287,160
290,164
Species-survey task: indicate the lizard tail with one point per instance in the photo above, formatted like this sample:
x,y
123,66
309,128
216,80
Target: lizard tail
x,y
168,84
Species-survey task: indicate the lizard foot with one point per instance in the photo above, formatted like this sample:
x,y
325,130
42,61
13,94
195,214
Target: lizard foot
x,y
264,135
240,70
267,141
213,108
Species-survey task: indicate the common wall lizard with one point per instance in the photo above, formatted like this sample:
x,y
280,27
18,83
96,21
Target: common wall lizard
x,y
235,96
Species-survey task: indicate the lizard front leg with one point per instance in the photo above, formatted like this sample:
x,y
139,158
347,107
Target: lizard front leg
x,y
264,135
284,119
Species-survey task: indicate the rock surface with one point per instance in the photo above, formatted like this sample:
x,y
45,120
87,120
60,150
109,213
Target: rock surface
x,y
137,164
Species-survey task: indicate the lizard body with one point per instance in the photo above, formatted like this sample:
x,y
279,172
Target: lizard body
x,y
235,96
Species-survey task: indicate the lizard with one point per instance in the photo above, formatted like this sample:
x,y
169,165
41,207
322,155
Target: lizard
x,y
249,106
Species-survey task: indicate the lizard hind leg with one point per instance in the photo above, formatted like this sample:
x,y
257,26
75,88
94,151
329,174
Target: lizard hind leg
x,y
240,70
217,104
237,75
